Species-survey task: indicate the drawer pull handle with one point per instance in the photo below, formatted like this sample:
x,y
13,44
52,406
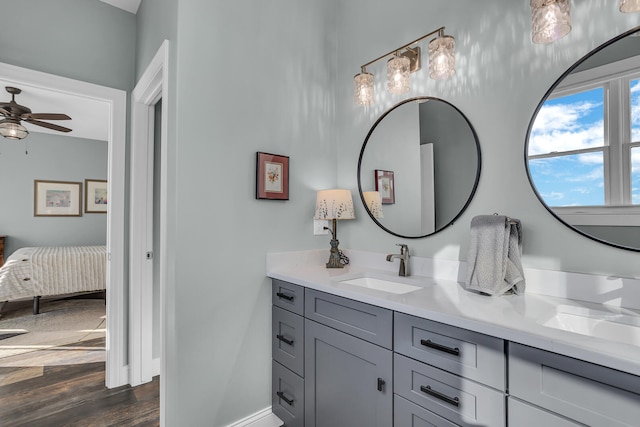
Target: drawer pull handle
x,y
455,351
285,296
284,340
282,396
450,400
381,384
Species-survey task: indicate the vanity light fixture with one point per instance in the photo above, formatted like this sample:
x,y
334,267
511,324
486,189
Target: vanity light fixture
x,y
12,129
628,6
404,61
373,201
550,20
334,205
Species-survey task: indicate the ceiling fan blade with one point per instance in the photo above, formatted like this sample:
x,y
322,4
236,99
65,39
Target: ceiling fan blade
x,y
4,112
48,125
46,116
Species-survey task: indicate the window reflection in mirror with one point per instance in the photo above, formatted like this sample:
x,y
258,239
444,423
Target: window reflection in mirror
x,y
583,146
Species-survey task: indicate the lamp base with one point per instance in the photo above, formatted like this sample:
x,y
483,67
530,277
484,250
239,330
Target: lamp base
x,y
334,255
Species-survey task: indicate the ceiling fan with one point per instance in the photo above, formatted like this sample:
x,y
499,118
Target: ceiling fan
x,y
14,113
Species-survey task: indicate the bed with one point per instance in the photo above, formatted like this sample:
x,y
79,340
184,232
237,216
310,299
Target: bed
x,y
34,272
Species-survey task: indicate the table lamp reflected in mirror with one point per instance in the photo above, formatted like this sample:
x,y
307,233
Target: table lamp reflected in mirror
x,y
373,202
333,205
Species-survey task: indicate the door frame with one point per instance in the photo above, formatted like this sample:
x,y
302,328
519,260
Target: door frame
x,y
152,86
116,100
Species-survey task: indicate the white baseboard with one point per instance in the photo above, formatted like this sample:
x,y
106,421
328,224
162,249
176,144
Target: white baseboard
x,y
264,418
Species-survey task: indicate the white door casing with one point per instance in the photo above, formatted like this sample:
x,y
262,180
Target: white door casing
x,y
152,86
116,103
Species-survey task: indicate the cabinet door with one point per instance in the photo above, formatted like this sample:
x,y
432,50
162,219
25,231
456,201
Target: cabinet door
x,y
348,381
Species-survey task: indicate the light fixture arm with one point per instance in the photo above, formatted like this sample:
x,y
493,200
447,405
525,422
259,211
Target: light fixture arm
x,y
439,31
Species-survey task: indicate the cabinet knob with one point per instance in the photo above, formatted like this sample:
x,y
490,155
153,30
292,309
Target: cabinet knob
x,y
381,384
285,296
284,340
283,397
428,343
450,400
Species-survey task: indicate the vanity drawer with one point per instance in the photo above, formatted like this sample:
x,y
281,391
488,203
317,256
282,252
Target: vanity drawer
x,y
457,399
588,393
371,323
288,296
462,352
287,339
524,415
287,396
408,414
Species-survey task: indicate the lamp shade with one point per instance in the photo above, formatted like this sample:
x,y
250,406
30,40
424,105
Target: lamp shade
x,y
550,20
442,57
334,204
373,200
13,130
363,93
628,6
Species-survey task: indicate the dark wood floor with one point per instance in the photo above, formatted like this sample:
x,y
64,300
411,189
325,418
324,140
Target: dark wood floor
x,y
39,393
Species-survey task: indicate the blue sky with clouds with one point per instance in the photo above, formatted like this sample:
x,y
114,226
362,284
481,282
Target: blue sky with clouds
x,y
576,122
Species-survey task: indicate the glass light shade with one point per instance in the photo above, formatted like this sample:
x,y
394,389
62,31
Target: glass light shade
x,y
550,20
373,200
363,89
12,130
442,57
398,75
334,204
628,6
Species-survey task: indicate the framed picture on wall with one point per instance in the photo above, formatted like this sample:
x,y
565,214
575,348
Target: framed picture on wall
x,y
272,176
57,198
385,186
95,196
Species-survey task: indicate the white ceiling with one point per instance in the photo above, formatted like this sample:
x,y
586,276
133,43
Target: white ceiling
x,y
128,5
89,117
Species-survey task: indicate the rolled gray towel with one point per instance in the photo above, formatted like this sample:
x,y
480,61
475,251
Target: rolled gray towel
x,y
494,263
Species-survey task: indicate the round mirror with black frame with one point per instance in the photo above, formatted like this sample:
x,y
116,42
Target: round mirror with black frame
x,y
582,150
419,167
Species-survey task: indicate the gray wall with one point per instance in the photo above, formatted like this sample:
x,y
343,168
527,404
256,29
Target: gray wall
x,y
50,158
455,157
501,78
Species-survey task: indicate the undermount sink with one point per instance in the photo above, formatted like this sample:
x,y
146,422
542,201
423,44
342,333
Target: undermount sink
x,y
617,327
383,285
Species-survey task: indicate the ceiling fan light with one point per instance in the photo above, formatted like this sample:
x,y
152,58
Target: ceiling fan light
x,y
550,20
628,6
13,130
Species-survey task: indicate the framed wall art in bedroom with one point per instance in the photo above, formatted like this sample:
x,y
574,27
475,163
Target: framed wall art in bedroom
x,y
57,198
95,196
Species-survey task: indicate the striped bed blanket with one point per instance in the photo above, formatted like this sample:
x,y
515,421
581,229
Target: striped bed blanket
x,y
57,270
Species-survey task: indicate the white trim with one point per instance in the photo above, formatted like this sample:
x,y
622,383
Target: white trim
x,y
264,418
152,86
600,215
116,367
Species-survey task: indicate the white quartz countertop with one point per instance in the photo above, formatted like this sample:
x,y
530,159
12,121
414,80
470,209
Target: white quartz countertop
x,y
517,318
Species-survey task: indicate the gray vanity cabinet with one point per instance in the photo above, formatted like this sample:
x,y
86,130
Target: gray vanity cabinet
x,y
449,373
287,347
586,393
349,372
349,381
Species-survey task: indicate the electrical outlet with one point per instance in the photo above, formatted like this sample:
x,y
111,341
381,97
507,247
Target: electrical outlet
x,y
318,227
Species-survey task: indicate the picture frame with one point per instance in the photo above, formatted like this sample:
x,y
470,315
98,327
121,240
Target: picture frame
x,y
95,196
272,176
57,198
385,185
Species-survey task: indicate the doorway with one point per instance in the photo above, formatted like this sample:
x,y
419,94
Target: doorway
x,y
114,102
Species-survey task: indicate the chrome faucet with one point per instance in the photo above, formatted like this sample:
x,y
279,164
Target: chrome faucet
x,y
403,256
